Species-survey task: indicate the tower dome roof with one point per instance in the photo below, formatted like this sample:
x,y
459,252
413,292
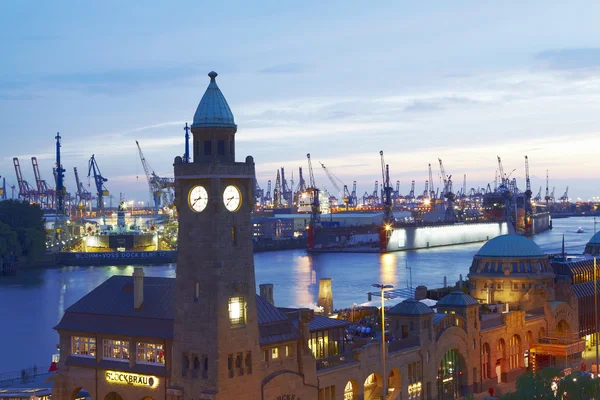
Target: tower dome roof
x,y
410,307
595,239
213,110
510,246
457,298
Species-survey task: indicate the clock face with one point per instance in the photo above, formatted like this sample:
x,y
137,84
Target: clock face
x,y
198,198
232,198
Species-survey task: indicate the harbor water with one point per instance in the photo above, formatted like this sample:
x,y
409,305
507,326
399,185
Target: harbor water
x,y
34,301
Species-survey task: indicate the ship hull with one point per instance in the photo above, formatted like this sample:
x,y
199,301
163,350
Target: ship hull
x,y
369,239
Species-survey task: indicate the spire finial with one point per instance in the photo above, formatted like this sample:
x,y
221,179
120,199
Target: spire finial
x,y
212,75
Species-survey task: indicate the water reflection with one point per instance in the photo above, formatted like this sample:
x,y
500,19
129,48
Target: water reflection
x,y
388,266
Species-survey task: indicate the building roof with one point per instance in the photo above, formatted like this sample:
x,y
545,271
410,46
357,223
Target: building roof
x,y
213,110
109,309
585,289
410,307
511,246
457,298
595,239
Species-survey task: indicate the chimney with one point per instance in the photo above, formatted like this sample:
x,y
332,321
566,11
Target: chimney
x,y
266,292
138,288
325,296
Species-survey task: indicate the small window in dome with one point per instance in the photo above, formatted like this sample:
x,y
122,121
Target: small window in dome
x,y
528,267
522,266
515,267
500,267
493,267
486,268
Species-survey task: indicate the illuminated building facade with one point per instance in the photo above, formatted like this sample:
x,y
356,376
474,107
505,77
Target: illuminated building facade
x,y
206,334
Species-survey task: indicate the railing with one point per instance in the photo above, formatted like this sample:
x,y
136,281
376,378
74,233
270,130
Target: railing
x,y
23,376
334,361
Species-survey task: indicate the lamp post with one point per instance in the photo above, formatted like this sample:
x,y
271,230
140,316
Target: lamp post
x,y
596,312
383,287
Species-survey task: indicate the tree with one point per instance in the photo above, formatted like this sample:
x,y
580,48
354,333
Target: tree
x,y
9,241
22,230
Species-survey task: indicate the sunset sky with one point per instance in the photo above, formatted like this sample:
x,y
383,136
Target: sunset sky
x,y
463,81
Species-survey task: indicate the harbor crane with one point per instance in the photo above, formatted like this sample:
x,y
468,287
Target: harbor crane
x,y
538,196
547,197
353,198
287,193
432,194
99,180
84,197
315,214
301,188
449,216
388,216
527,199
258,193
160,188
59,176
26,192
552,198
268,196
334,181
565,197
45,193
277,201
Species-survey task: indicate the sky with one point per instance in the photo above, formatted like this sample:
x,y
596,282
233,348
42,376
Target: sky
x,y
463,81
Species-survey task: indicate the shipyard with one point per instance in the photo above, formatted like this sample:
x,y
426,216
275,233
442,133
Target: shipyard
x,y
299,202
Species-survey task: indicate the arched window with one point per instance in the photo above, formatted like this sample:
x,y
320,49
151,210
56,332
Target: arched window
x,y
515,351
485,361
501,348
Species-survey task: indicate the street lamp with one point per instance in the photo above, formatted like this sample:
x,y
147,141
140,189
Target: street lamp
x,y
383,288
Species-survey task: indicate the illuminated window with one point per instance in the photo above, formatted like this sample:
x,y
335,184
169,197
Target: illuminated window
x,y
83,346
237,311
288,351
150,353
115,350
274,353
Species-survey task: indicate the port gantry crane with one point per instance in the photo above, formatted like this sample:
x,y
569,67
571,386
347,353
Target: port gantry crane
x,y
99,180
388,216
315,215
160,188
565,197
449,215
287,195
268,196
259,194
277,192
26,192
45,193
301,188
547,197
59,177
344,193
538,196
527,199
84,197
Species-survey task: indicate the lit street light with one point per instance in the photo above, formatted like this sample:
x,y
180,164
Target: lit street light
x,y
383,288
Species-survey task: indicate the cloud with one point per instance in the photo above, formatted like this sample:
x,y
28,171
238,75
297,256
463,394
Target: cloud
x,y
566,59
118,81
435,104
291,68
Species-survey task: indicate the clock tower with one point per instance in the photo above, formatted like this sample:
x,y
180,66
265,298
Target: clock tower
x,y
216,351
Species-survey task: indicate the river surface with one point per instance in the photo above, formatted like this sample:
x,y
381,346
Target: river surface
x,y
32,303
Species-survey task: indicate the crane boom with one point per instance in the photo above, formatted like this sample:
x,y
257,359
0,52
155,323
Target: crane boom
x,y
99,180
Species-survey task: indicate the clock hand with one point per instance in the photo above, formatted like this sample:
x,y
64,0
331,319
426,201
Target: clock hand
x,y
195,201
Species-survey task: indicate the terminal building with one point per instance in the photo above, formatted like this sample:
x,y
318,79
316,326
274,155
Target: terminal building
x,y
206,334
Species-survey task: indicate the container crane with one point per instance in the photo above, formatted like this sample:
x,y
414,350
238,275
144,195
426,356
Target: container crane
x,y
334,181
99,180
84,197
26,192
388,217
565,197
353,198
160,188
315,215
45,193
258,193
527,199
268,197
538,196
59,177
287,194
432,194
547,197
301,188
449,216
277,192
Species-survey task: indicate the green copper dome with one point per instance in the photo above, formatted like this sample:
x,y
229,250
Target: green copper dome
x,y
213,110
510,246
595,239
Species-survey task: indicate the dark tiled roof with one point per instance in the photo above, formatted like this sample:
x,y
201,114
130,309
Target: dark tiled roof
x,y
585,289
410,307
115,297
457,298
109,309
320,323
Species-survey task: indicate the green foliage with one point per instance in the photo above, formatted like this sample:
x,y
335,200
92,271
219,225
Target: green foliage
x,y
22,230
538,386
